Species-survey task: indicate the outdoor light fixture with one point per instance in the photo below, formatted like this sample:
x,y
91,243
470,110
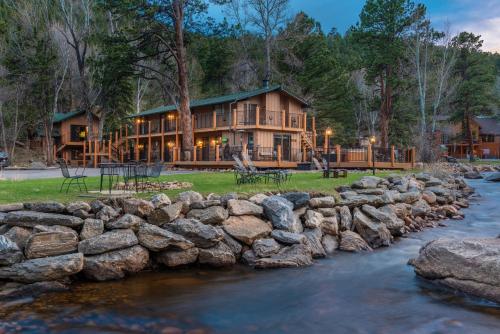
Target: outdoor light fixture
x,y
170,117
328,131
82,134
170,144
200,143
140,146
373,140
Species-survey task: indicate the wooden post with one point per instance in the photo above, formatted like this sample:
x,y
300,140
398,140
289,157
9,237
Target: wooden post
x,y
84,153
369,155
304,120
116,137
235,113
304,153
149,142
257,117
325,146
413,156
289,120
194,153
283,119
244,148
313,120
55,152
393,156
109,147
214,120
174,154
217,157
279,154
96,149
162,146
337,153
126,140
177,134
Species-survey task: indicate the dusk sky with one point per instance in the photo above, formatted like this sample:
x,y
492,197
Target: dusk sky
x,y
478,16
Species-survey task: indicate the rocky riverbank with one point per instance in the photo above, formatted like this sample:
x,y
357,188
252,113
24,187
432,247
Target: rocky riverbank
x,y
46,246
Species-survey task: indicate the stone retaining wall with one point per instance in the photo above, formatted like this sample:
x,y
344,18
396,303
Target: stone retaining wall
x,y
105,240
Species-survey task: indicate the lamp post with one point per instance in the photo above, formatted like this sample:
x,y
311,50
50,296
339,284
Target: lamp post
x,y
373,140
328,133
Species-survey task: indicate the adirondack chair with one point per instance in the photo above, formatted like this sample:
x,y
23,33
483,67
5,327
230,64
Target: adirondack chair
x,y
276,175
242,174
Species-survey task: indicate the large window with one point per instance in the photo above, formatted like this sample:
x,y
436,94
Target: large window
x,y
78,132
488,138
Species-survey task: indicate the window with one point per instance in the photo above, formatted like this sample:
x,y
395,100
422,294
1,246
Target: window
x,y
78,132
488,138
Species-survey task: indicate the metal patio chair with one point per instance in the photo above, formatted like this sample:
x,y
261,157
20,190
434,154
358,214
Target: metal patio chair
x,y
78,177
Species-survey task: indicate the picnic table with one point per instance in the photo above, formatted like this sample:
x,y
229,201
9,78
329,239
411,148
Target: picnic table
x,y
127,171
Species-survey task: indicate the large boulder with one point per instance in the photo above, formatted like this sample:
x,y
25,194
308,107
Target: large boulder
x,y
243,208
386,216
297,255
77,206
203,236
410,197
32,218
375,233
313,219
165,214
115,239
439,191
11,207
299,199
313,241
322,202
420,208
178,257
353,201
213,215
493,177
327,212
43,269
91,228
469,265
265,247
106,213
205,204
280,212
330,225
345,218
127,221
159,200
50,244
235,246
116,264
330,243
352,242
19,235
258,198
367,182
190,197
9,251
138,207
156,238
473,175
246,229
49,207
218,256
288,238
429,197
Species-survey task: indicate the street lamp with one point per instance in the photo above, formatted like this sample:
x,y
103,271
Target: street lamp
x,y
328,133
373,140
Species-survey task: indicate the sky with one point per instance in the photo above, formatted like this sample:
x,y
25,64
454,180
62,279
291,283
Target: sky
x,y
482,17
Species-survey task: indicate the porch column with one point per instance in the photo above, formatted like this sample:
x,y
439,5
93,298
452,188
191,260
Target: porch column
x,y
413,156
137,141
257,117
369,155
393,156
304,120
126,141
192,123
194,153
289,120
149,142
278,148
96,149
217,156
283,119
109,147
313,120
337,153
304,153
162,143
84,152
235,113
214,120
174,154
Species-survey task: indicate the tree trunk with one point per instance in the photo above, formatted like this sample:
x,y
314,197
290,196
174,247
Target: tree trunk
x,y
185,112
2,128
470,138
267,76
384,110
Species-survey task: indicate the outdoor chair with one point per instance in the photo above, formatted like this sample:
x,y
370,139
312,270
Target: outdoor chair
x,y
276,175
335,172
78,177
111,171
242,174
154,172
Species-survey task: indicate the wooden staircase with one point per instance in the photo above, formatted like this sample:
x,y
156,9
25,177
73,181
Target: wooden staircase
x,y
306,138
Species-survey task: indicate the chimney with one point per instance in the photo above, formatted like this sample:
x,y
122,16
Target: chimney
x,y
265,83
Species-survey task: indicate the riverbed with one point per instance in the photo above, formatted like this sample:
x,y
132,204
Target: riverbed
x,y
346,293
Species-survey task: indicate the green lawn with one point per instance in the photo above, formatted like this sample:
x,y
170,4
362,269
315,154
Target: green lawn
x,y
482,162
205,183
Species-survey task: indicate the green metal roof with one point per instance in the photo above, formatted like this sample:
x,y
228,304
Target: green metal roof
x,y
219,100
59,116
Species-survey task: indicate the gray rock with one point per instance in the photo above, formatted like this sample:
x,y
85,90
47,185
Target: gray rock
x,y
217,256
49,207
11,207
246,229
288,238
299,199
107,213
203,236
3,228
54,228
376,234
370,191
76,206
367,182
410,197
314,242
137,207
159,200
32,218
232,243
330,244
359,200
46,244
19,235
345,218
423,177
330,225
473,175
297,255
17,291
248,257
226,197
313,219
439,191
386,216
126,221
165,214
469,265
156,238
429,197
243,207
116,264
91,228
327,212
43,269
96,205
190,197
258,198
205,204
352,242
322,202
420,208
265,247
493,177
115,239
178,257
280,212
213,215
9,251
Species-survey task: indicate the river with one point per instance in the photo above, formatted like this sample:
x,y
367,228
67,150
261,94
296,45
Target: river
x,y
347,293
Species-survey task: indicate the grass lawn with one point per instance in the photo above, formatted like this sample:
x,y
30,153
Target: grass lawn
x,y
493,162
205,183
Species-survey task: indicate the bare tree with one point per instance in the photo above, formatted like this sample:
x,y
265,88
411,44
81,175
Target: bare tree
x,y
366,116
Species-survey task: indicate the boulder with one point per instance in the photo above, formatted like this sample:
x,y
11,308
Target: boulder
x,y
246,229
345,218
424,177
115,239
14,291
159,200
297,255
77,206
226,197
11,207
420,208
106,213
9,251
353,201
288,238
96,206
213,215
439,191
322,202
429,197
371,191
91,228
433,181
165,214
279,211
137,207
54,228
330,225
367,182
19,235
43,269
313,241
3,228
190,197
156,238
375,233
258,198
205,204
45,244
32,218
313,219
127,221
248,257
386,216
473,175
203,236
410,197
493,177
299,199
469,265
330,244
178,257
243,207
265,247
217,256
116,264
49,207
232,243
327,212
352,242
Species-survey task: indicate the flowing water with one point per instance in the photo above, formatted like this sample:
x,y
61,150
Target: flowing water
x,y
347,293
